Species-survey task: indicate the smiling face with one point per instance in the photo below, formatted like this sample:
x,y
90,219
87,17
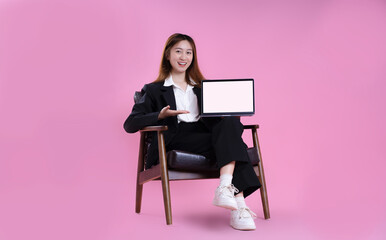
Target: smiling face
x,y
181,56
187,64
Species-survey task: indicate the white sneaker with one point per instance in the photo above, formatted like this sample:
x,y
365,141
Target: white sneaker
x,y
242,219
225,197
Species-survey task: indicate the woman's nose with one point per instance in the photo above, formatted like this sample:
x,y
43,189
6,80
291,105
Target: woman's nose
x,y
183,56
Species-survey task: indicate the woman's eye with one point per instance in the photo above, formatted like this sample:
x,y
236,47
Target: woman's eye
x,y
189,53
178,51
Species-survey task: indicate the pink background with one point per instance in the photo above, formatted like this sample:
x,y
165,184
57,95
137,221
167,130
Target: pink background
x,y
68,71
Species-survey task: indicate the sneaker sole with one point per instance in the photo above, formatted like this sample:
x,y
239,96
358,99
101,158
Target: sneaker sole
x,y
222,205
244,229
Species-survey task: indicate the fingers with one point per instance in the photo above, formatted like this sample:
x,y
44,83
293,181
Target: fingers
x,y
166,112
182,111
179,111
163,112
176,112
165,108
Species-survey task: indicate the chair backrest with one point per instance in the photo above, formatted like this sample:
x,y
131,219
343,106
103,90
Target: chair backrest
x,y
137,96
148,137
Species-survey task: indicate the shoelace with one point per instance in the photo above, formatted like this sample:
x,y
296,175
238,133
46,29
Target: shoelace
x,y
243,211
232,189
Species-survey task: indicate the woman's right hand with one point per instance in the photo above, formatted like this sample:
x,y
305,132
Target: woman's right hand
x,y
166,112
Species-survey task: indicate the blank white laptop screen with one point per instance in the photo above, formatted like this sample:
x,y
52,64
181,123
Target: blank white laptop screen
x,y
229,97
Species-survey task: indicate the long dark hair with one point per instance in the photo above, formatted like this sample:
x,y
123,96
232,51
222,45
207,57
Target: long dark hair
x,y
193,71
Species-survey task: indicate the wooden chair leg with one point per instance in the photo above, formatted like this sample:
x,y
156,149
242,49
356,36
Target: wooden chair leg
x,y
138,198
164,178
139,187
263,193
263,189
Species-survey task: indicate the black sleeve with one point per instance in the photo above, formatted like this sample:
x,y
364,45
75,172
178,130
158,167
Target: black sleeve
x,y
144,113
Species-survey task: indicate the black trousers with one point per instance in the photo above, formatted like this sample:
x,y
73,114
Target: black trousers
x,y
220,140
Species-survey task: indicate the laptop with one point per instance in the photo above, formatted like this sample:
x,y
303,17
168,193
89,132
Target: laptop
x,y
227,97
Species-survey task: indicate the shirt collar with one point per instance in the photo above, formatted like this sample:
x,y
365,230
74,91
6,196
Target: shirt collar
x,y
169,82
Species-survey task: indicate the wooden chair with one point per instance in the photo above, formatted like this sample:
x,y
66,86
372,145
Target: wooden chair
x,y
179,165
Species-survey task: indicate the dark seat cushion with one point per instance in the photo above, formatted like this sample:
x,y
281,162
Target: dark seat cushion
x,y
194,162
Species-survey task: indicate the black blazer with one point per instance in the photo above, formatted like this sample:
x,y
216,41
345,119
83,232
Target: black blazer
x,y
145,113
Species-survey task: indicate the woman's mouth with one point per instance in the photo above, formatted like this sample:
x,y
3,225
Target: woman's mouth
x,y
182,64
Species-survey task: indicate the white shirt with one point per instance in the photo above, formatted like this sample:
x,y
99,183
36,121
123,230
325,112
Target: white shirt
x,y
185,100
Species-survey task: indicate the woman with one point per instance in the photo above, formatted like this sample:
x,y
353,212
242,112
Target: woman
x,y
173,100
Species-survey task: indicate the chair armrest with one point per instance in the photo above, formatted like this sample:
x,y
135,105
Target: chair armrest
x,y
154,129
256,126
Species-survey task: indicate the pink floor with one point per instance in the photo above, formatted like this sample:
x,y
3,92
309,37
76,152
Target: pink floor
x,y
106,211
